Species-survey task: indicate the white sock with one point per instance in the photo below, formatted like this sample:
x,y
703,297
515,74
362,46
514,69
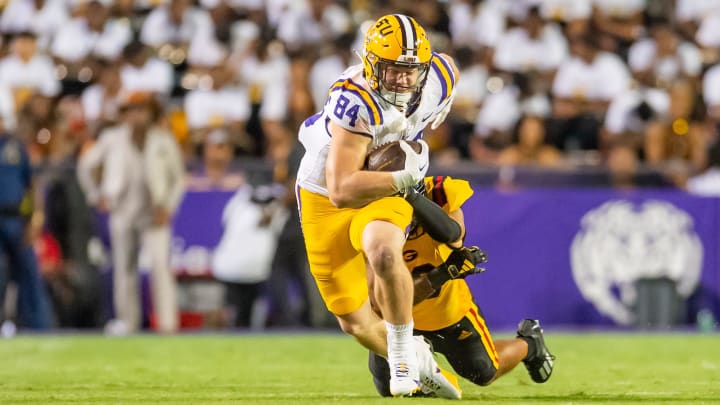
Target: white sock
x,y
400,338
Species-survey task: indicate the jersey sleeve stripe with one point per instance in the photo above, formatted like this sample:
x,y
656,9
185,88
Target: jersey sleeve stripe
x,y
444,72
373,108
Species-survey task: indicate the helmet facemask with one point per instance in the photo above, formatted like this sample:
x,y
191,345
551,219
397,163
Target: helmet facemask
x,y
390,83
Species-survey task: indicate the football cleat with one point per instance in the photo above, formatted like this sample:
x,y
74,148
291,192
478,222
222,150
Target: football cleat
x,y
434,380
540,363
404,375
402,382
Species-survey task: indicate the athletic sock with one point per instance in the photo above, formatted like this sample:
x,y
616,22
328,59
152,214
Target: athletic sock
x,y
400,337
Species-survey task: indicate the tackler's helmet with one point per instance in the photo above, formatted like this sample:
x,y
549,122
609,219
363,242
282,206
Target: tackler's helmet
x,y
397,42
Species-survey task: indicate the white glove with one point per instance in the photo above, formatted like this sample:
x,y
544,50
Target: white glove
x,y
443,113
416,165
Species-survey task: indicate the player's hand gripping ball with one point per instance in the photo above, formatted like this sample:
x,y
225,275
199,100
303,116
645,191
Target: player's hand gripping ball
x,y
389,157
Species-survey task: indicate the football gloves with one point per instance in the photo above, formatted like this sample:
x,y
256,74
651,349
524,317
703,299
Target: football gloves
x,y
416,165
460,264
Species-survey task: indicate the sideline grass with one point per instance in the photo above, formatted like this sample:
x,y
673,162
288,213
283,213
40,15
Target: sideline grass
x,y
320,368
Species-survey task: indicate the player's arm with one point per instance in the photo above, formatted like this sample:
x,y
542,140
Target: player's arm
x,y
348,185
461,263
441,226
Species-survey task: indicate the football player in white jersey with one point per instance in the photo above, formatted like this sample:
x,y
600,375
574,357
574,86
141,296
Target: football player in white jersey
x,y
355,220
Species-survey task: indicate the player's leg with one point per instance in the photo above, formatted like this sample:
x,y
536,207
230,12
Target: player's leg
x,y
382,244
378,231
469,349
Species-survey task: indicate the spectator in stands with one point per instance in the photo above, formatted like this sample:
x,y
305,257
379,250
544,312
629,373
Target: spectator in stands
x,y
142,185
25,71
707,37
680,134
469,95
141,72
305,28
618,23
223,104
43,18
176,23
662,58
689,13
21,220
628,116
477,24
36,124
266,73
623,167
530,148
532,47
582,89
575,15
216,170
91,34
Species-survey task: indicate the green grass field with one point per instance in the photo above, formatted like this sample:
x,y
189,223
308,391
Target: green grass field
x,y
330,368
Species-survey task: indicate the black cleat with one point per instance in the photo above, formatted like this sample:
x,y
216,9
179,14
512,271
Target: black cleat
x,y
540,363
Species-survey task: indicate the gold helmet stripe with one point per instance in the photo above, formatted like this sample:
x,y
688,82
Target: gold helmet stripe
x,y
408,34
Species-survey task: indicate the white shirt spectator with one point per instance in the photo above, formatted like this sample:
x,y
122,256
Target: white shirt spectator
x,y
500,112
711,87
38,74
686,61
242,34
322,75
21,15
471,86
620,8
158,29
603,79
154,76
298,28
268,82
566,10
620,117
695,10
707,33
481,26
208,108
75,41
206,52
517,52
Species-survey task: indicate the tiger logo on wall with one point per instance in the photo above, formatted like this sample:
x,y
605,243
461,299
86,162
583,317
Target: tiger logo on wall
x,y
619,244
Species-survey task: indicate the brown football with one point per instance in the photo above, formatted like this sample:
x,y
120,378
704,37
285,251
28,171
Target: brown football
x,y
389,157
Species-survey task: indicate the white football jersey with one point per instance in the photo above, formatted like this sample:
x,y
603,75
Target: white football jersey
x,y
354,106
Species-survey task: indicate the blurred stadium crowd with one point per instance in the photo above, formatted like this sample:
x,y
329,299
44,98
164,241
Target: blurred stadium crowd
x,y
618,85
